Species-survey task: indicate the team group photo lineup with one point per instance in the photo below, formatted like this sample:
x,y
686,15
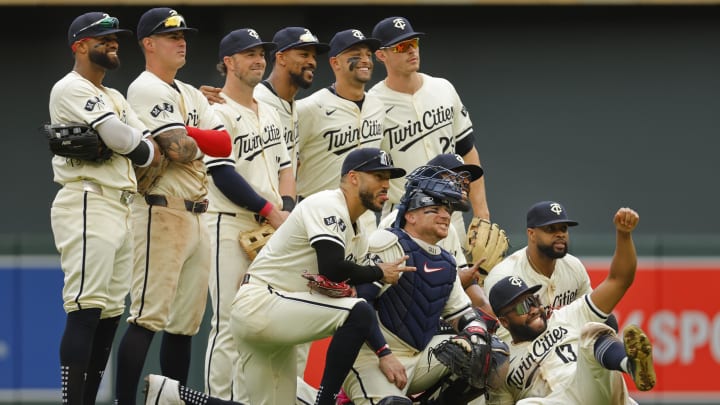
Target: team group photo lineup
x,y
356,214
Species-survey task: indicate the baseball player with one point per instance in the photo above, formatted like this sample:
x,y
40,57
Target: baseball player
x,y
383,375
294,64
260,156
570,357
90,215
274,310
424,115
545,261
172,245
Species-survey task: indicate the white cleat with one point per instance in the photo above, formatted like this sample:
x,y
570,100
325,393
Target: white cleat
x,y
160,390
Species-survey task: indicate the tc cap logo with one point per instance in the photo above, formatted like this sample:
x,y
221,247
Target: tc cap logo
x,y
357,34
253,33
556,208
515,280
399,23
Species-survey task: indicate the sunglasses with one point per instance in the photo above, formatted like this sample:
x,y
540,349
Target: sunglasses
x,y
174,21
523,307
105,22
404,46
383,157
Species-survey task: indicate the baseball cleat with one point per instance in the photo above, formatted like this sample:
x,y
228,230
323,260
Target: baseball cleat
x,y
639,354
160,390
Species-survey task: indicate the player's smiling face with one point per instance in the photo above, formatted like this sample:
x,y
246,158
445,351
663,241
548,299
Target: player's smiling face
x,y
552,240
301,64
373,189
355,63
248,66
526,326
103,51
430,223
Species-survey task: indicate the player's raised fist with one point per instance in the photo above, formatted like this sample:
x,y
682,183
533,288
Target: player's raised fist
x,y
626,219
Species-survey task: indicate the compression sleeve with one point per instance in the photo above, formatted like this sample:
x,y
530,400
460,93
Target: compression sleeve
x,y
332,264
118,136
463,146
212,142
237,189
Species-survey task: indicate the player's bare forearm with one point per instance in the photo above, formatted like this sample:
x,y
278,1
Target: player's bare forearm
x,y
624,263
177,146
478,199
286,184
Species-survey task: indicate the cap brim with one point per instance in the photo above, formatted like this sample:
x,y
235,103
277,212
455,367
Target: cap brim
x,y
174,29
529,290
405,37
395,172
372,43
475,171
320,48
557,221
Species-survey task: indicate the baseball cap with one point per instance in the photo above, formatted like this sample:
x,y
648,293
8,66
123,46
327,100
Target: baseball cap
x,y
370,160
393,30
242,39
94,24
297,37
348,38
159,20
456,163
507,290
546,213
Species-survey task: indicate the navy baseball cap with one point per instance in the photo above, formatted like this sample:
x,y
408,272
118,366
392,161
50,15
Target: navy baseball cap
x,y
242,39
370,160
547,213
297,37
507,290
392,30
94,24
159,20
348,38
455,162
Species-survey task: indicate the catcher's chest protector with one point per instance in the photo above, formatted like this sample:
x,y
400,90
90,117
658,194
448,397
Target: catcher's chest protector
x,y
411,309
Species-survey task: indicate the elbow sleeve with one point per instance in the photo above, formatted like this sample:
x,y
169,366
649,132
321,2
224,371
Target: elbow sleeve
x,y
118,136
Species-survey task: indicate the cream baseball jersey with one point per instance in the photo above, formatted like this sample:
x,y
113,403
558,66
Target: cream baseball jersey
x,y
75,99
258,153
549,362
289,252
420,126
161,107
568,281
330,127
288,119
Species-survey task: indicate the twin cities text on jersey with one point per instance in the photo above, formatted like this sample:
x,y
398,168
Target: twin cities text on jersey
x,y
341,140
540,348
403,137
252,144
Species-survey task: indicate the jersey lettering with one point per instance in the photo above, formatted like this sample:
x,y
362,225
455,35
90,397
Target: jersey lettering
x,y
564,298
541,347
252,145
566,353
431,121
193,118
339,140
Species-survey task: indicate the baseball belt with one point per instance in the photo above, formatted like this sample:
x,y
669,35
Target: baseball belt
x,y
126,197
196,207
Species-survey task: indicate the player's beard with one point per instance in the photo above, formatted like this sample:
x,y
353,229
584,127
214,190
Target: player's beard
x,y
524,333
299,80
103,60
368,201
550,252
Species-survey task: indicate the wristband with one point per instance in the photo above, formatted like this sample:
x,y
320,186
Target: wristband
x,y
288,203
383,351
266,210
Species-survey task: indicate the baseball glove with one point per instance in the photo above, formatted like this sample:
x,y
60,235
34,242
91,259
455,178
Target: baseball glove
x,y
487,241
76,141
254,240
323,285
468,355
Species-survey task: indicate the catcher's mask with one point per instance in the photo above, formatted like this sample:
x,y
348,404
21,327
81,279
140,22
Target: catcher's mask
x,y
432,185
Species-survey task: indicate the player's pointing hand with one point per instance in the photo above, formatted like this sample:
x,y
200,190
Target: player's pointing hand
x,y
393,270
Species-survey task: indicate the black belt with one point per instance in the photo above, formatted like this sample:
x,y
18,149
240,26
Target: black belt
x,y
197,207
246,279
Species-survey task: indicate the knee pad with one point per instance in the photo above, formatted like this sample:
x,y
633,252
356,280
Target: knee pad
x,y
395,400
